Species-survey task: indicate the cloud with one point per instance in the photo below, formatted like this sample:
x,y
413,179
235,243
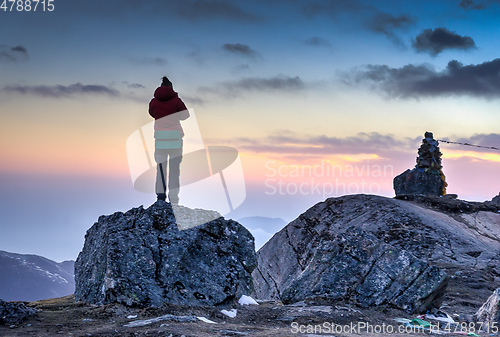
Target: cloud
x,y
13,54
155,61
168,11
386,24
241,68
134,85
401,152
317,42
290,143
470,5
331,7
214,9
20,49
279,83
197,56
240,49
62,91
439,39
194,100
360,12
481,80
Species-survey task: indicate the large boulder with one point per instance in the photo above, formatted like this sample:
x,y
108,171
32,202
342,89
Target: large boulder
x,y
496,200
354,264
142,258
459,237
12,313
418,182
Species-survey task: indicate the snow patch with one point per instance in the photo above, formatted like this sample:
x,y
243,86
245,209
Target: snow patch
x,y
247,300
206,320
231,313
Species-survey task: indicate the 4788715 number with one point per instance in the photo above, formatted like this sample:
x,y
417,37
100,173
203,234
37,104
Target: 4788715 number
x,y
27,5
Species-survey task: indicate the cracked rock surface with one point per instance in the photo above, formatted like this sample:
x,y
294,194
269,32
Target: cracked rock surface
x,y
339,249
141,258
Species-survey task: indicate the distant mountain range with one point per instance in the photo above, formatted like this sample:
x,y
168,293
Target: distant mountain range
x,y
32,277
262,228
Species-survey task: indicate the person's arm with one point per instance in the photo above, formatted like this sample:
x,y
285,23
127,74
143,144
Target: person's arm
x,y
150,110
183,112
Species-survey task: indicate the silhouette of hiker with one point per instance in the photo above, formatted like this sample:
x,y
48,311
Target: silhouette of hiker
x,y
168,110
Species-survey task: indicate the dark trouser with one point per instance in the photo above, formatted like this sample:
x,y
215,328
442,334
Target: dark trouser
x,y
171,158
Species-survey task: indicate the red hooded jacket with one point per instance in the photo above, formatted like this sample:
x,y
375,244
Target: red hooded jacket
x,y
167,109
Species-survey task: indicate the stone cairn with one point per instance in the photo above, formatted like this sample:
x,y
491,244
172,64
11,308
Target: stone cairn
x,y
427,178
429,156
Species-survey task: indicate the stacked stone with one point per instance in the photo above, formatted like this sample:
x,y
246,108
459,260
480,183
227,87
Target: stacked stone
x,y
429,156
427,177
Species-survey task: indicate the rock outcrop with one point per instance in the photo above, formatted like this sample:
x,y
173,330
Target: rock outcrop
x,y
417,182
489,313
13,313
461,238
356,264
496,200
315,263
142,258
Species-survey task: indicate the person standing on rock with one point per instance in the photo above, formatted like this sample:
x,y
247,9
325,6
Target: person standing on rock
x,y
168,110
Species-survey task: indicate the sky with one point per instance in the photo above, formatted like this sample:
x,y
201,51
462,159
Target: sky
x,y
320,99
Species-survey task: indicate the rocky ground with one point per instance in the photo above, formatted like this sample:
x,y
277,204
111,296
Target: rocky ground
x,y
67,317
